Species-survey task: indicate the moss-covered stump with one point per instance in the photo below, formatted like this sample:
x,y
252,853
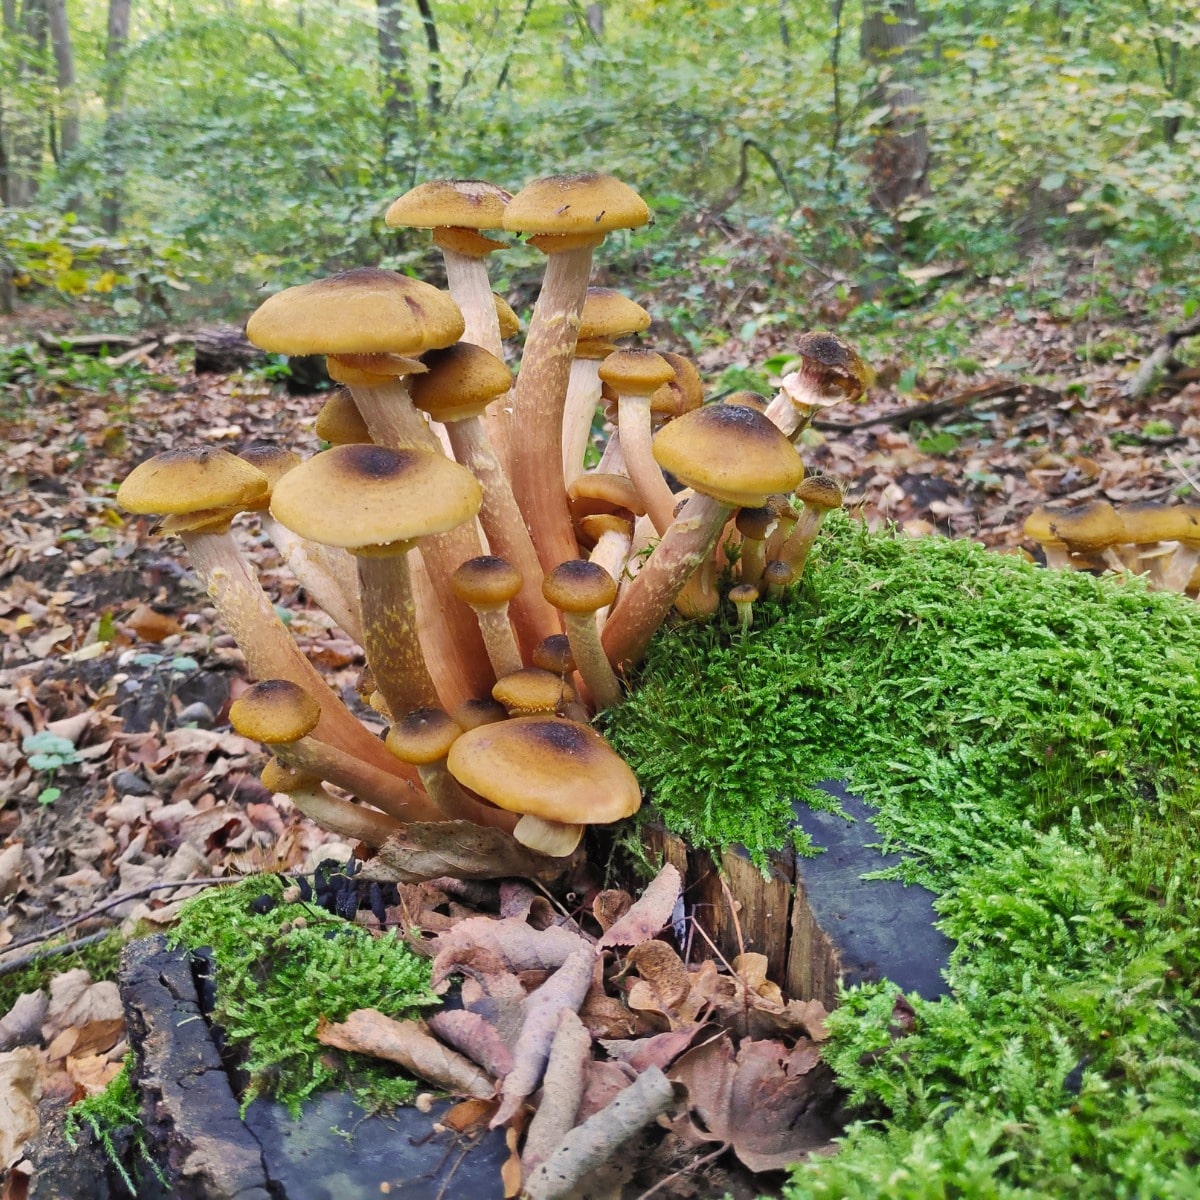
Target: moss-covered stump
x,y
1028,741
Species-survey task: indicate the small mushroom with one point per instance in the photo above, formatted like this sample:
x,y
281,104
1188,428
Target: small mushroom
x,y
580,588
488,584
743,597
830,373
819,495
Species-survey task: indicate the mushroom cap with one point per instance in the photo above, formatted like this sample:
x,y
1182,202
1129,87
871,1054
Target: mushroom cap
x,y
463,203
579,586
279,777
364,311
1146,522
510,323
594,526
274,711
743,593
461,381
1091,526
339,422
554,653
547,767
530,690
819,491
1038,527
600,491
730,453
423,736
191,478
746,399
834,363
778,573
486,581
470,714
681,394
636,372
371,370
272,460
586,203
754,523
362,496
608,313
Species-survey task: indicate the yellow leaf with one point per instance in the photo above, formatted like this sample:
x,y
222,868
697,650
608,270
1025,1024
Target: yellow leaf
x,y
105,282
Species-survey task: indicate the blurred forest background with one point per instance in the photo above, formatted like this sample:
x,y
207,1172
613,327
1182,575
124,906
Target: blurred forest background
x,y
809,162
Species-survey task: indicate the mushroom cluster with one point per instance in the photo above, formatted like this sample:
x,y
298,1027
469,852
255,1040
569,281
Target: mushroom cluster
x,y
499,590
1160,541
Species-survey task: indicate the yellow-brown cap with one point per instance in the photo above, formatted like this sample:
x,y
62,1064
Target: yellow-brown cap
x,y
579,586
1092,526
819,491
546,767
608,313
339,422
461,381
510,323
554,654
582,206
833,365
190,479
274,711
530,690
423,736
463,203
486,581
362,496
636,372
364,311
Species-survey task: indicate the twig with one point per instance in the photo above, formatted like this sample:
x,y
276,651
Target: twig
x,y
688,1170
1190,479
112,902
1139,385
17,963
960,401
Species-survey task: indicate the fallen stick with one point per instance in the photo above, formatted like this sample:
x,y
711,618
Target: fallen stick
x,y
960,401
1158,358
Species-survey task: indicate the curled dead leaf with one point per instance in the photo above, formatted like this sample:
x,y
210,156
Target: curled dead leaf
x,y
518,945
648,914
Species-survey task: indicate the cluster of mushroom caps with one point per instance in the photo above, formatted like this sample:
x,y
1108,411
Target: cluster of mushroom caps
x,y
452,530
1160,541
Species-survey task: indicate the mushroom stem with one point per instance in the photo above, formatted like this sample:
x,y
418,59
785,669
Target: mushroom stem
x,y
1183,562
698,599
612,460
532,617
612,553
539,397
248,614
502,649
327,573
341,817
583,395
647,600
390,633
590,660
633,422
796,549
394,422
553,838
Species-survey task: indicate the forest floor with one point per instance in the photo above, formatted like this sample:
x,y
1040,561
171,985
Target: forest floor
x,y
107,640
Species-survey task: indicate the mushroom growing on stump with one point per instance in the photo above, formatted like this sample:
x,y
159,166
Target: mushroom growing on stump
x,y
377,503
559,774
635,375
580,588
1092,528
488,584
731,457
830,373
568,216
820,496
461,381
316,802
199,481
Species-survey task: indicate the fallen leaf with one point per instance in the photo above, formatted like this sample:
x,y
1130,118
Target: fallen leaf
x,y
477,1038
518,945
368,1031
562,1090
660,1050
469,1116
663,971
768,1102
19,1094
93,1073
649,913
610,906
96,1037
22,1024
597,1139
75,1001
566,988
152,626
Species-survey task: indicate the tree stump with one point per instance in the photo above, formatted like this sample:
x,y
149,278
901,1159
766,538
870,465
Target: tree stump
x,y
223,349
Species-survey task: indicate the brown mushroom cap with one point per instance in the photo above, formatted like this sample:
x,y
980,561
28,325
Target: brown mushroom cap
x,y
681,394
587,204
509,322
754,523
339,422
599,491
470,714
189,479
362,496
1038,526
554,654
279,777
608,314
486,580
730,453
743,593
530,690
755,400
636,372
423,736
579,586
272,460
546,767
464,203
461,381
364,311
819,491
778,574
1091,526
834,363
274,711
1146,522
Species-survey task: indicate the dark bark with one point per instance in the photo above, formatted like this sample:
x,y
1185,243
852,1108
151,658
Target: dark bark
x,y
395,83
114,103
900,153
64,63
434,84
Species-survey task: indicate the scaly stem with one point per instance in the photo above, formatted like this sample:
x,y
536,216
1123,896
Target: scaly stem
x,y
633,417
343,818
583,395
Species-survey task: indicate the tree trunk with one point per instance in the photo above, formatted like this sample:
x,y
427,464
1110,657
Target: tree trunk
x,y
900,154
434,86
395,84
24,118
64,63
114,103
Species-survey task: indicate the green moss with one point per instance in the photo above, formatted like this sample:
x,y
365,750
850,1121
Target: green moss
x,y
101,960
1030,740
278,973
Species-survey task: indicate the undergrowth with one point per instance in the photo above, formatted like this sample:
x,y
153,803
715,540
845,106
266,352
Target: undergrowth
x,y
279,972
101,959
1030,740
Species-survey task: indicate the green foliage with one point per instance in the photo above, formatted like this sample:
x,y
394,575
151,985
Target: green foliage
x,y
114,1116
101,959
962,691
279,973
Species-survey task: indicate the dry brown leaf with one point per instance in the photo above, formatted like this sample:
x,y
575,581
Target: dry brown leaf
x,y
597,1139
602,1083
472,1035
19,1093
76,1001
368,1031
22,1024
562,1090
152,626
518,945
663,970
430,849
516,899
660,1050
93,1073
606,1016
96,1037
510,1172
566,988
769,1103
469,1116
610,906
649,913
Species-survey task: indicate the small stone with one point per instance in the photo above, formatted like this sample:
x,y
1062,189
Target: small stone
x,y
130,783
197,714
